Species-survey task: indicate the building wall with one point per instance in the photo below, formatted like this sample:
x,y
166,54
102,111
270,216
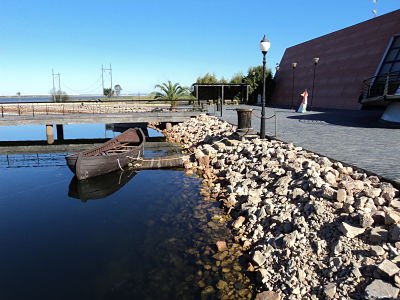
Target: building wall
x,y
347,57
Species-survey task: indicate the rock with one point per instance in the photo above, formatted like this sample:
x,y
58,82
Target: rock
x,y
394,233
259,258
395,204
378,235
379,217
330,178
328,192
290,239
297,192
282,185
397,280
221,246
222,285
264,275
337,247
379,289
377,250
238,222
388,267
349,230
356,272
301,275
392,217
388,191
319,209
341,195
330,290
366,220
373,192
268,295
348,208
393,250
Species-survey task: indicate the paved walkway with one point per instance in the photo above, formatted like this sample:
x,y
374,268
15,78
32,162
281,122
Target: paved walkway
x,y
353,137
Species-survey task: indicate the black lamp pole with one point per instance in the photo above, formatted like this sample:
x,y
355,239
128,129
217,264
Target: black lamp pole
x,y
264,45
262,130
294,65
316,60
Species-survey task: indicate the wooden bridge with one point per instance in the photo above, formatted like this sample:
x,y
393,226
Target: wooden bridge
x,y
48,114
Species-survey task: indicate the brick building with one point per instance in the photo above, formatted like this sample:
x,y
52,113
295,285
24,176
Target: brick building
x,y
346,58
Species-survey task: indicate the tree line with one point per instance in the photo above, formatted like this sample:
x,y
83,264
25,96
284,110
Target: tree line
x,y
253,78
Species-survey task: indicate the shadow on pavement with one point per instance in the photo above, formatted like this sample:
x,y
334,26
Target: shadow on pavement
x,y
361,118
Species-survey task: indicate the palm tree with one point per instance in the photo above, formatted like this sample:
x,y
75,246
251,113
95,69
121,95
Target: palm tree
x,y
171,92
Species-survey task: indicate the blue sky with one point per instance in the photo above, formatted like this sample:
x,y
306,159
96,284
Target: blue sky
x,y
152,41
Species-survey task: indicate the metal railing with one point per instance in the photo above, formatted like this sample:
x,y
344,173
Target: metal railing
x,y
381,85
32,160
52,108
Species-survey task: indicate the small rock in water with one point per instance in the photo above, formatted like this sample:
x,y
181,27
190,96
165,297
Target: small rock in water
x,y
330,290
221,246
268,295
259,258
238,222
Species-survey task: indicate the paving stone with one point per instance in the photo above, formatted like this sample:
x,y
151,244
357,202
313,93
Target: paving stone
x,y
353,137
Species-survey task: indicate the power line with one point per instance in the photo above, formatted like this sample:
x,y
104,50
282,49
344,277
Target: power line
x,y
90,87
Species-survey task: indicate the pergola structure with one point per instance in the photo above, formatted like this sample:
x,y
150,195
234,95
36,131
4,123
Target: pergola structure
x,y
222,91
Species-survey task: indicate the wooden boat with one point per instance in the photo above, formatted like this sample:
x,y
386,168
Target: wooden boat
x,y
111,156
100,186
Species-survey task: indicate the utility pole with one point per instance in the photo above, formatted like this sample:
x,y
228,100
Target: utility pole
x,y
102,78
111,81
102,81
59,83
54,89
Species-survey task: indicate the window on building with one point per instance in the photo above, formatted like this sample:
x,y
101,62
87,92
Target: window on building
x,y
391,63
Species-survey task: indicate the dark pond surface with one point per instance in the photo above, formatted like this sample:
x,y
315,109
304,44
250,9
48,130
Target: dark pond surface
x,y
142,235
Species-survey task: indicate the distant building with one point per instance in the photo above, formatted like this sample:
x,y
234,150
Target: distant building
x,y
346,58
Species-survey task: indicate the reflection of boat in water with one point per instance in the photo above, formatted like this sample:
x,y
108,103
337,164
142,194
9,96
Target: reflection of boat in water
x,y
100,186
111,156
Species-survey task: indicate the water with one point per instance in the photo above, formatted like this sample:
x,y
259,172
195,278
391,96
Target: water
x,y
25,99
46,98
142,235
72,131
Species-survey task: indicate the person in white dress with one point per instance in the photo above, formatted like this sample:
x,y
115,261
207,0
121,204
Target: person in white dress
x,y
303,104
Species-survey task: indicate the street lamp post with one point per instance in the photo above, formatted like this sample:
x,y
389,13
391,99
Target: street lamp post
x,y
315,60
294,65
265,44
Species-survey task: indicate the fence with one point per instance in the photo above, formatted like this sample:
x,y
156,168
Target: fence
x,y
381,85
97,107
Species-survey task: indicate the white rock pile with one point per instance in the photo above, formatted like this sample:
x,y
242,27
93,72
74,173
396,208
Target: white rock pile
x,y
312,228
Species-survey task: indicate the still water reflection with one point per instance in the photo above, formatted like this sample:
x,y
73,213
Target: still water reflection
x,y
133,244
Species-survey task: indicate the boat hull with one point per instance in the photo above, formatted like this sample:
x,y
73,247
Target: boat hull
x,y
91,166
99,161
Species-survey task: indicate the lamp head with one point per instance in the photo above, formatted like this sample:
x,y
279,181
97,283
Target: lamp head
x,y
294,65
265,44
316,60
